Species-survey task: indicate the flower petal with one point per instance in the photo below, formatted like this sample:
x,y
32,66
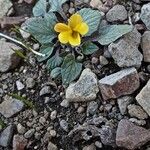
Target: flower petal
x,y
75,20
82,28
61,27
64,37
75,39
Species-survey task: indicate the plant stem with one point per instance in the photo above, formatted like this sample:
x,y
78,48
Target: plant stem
x,y
21,44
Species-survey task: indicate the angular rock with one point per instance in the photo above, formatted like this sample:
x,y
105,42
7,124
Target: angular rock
x,y
19,85
123,102
124,82
8,59
143,98
145,15
19,142
92,108
5,6
117,13
29,1
6,136
10,107
131,136
145,44
29,133
125,51
45,90
52,146
89,147
85,89
137,111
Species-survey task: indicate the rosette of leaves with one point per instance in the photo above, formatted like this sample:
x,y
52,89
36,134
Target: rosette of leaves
x,y
62,59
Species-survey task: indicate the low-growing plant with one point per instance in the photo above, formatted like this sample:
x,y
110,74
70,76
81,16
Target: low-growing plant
x,y
64,39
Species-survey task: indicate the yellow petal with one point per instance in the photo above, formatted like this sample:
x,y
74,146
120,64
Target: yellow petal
x,y
61,27
75,39
82,28
64,37
75,20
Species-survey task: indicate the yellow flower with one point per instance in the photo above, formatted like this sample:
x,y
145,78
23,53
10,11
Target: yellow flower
x,y
72,32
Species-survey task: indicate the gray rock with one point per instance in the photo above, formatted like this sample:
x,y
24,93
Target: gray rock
x,y
19,142
145,44
30,82
8,59
103,60
45,90
143,98
138,122
64,103
85,89
53,115
29,133
124,82
23,33
6,136
123,102
145,15
5,6
52,146
92,108
21,129
19,85
131,136
137,111
64,125
117,13
125,51
10,107
89,147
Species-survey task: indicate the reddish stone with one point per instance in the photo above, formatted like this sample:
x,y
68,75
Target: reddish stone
x,y
124,82
131,136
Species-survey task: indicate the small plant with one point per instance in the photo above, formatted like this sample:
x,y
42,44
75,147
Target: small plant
x,y
63,40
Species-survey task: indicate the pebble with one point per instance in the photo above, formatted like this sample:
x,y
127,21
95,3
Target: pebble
x,y
42,120
11,107
143,98
51,146
124,82
138,122
21,129
137,111
103,60
80,110
64,125
29,133
6,136
23,33
92,108
117,13
85,89
30,82
19,85
98,144
53,133
89,147
45,90
53,115
64,103
123,103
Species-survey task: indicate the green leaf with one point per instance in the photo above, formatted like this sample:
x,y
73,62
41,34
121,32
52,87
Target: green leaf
x,y
55,72
89,48
42,28
110,33
47,50
19,53
70,69
54,62
92,18
56,5
40,8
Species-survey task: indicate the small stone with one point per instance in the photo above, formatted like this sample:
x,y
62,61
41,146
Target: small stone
x,y
29,1
6,136
42,120
53,115
145,44
53,133
45,90
19,85
21,129
98,144
131,136
145,13
10,107
37,135
5,6
19,142
36,46
80,110
30,82
85,89
29,133
52,146
89,147
103,60
123,102
117,13
137,111
138,122
143,98
124,82
8,59
64,125
23,33
96,3
125,51
92,108
94,60
64,103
